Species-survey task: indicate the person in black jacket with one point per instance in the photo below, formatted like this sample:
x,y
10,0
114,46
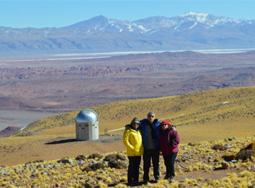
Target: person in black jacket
x,y
150,128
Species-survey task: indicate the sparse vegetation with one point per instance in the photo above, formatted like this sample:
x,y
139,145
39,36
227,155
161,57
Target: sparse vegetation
x,y
196,167
189,109
222,113
222,117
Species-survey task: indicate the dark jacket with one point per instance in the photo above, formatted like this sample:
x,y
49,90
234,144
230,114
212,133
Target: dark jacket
x,y
155,128
169,141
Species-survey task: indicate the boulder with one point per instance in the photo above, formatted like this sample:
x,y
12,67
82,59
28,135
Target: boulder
x,y
251,146
191,144
95,156
229,158
220,147
117,161
114,157
94,166
35,161
80,158
65,161
117,164
246,153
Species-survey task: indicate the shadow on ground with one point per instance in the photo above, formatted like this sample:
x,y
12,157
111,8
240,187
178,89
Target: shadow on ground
x,y
63,141
102,139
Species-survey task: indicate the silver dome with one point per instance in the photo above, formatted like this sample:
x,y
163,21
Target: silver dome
x,y
87,116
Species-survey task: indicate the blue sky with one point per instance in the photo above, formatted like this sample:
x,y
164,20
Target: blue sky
x,y
48,13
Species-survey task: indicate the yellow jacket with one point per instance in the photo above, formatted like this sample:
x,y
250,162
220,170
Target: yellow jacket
x,y
132,139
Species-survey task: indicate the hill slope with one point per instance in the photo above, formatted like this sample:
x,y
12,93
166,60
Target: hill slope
x,y
195,108
208,115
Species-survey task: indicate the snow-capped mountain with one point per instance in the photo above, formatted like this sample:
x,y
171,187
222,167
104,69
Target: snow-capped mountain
x,y
190,19
188,31
101,23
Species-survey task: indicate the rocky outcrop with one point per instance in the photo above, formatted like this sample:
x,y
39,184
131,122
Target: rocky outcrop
x,y
9,131
244,154
220,147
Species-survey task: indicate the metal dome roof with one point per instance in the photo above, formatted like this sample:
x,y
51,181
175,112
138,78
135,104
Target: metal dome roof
x,y
87,116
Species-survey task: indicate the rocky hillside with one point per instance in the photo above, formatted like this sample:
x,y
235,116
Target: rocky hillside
x,y
223,163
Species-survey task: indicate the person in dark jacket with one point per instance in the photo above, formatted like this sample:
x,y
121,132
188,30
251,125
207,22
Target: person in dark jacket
x,y
169,141
150,128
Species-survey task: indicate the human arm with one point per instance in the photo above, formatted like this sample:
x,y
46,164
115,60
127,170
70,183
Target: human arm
x,y
126,140
173,138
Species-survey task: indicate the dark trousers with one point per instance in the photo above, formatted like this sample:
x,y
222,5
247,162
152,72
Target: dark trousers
x,y
169,163
148,156
133,169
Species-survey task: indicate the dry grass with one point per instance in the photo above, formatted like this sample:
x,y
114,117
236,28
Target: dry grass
x,y
195,167
190,109
208,115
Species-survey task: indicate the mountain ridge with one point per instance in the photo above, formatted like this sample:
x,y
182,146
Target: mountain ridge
x,y
101,34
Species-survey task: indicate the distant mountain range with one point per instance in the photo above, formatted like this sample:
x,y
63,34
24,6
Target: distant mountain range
x,y
100,34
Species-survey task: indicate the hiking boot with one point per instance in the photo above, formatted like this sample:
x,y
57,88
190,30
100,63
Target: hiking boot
x,y
156,180
145,182
170,179
166,177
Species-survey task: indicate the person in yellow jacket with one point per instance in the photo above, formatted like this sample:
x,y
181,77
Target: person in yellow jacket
x,y
132,139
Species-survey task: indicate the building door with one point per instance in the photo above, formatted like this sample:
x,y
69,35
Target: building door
x,y
84,131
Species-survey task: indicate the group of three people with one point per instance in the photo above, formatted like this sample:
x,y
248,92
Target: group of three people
x,y
148,138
